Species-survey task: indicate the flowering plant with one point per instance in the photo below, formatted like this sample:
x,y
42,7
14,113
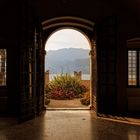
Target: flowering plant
x,y
65,86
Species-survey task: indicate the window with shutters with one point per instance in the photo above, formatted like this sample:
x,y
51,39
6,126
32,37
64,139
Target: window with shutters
x,y
3,67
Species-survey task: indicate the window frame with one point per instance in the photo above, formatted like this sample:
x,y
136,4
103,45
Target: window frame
x,y
3,86
137,67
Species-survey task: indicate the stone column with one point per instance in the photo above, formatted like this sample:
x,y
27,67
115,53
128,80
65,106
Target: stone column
x,y
93,73
46,78
78,75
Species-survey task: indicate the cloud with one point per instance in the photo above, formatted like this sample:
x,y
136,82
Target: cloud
x,y
67,38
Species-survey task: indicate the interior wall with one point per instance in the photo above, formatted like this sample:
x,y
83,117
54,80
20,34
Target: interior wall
x,y
9,93
128,27
133,93
92,9
8,41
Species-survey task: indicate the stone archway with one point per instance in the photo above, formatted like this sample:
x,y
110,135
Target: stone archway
x,y
86,26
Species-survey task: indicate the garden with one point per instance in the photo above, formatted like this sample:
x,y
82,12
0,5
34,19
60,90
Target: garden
x,y
67,87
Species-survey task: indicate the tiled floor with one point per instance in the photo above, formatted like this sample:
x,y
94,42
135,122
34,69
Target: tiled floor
x,y
71,125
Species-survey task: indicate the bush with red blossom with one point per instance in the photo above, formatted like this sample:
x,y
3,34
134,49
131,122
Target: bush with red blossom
x,y
65,87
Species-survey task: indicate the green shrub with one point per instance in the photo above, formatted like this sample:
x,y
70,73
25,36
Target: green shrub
x,y
65,86
86,99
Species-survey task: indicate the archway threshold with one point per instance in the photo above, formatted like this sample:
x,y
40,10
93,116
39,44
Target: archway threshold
x,y
73,104
68,108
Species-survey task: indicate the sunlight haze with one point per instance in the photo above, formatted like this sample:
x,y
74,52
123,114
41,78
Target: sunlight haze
x,y
67,38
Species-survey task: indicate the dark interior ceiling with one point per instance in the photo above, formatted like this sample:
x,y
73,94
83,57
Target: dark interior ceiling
x,y
94,10
90,9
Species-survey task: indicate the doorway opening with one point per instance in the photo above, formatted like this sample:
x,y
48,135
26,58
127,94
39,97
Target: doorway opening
x,y
68,70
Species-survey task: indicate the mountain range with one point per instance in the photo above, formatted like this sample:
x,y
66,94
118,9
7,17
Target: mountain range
x,y
67,61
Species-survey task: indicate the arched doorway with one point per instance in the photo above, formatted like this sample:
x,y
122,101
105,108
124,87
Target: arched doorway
x,y
68,56
83,27
106,58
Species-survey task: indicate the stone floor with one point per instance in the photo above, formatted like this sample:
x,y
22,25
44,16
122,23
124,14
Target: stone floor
x,y
72,125
66,104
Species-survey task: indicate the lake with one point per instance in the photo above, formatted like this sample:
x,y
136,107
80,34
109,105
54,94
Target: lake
x,y
84,76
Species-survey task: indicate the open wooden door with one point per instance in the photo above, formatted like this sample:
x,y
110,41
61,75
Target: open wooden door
x,y
31,92
32,79
27,98
106,66
40,58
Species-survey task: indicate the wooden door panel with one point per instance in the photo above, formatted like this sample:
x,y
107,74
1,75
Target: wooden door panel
x,y
27,98
106,66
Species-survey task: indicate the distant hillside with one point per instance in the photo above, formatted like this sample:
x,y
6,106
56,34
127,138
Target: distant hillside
x,y
67,61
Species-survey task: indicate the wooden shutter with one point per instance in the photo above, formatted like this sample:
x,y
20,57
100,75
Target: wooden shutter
x,y
106,65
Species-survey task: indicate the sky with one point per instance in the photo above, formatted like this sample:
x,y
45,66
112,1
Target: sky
x,y
67,38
